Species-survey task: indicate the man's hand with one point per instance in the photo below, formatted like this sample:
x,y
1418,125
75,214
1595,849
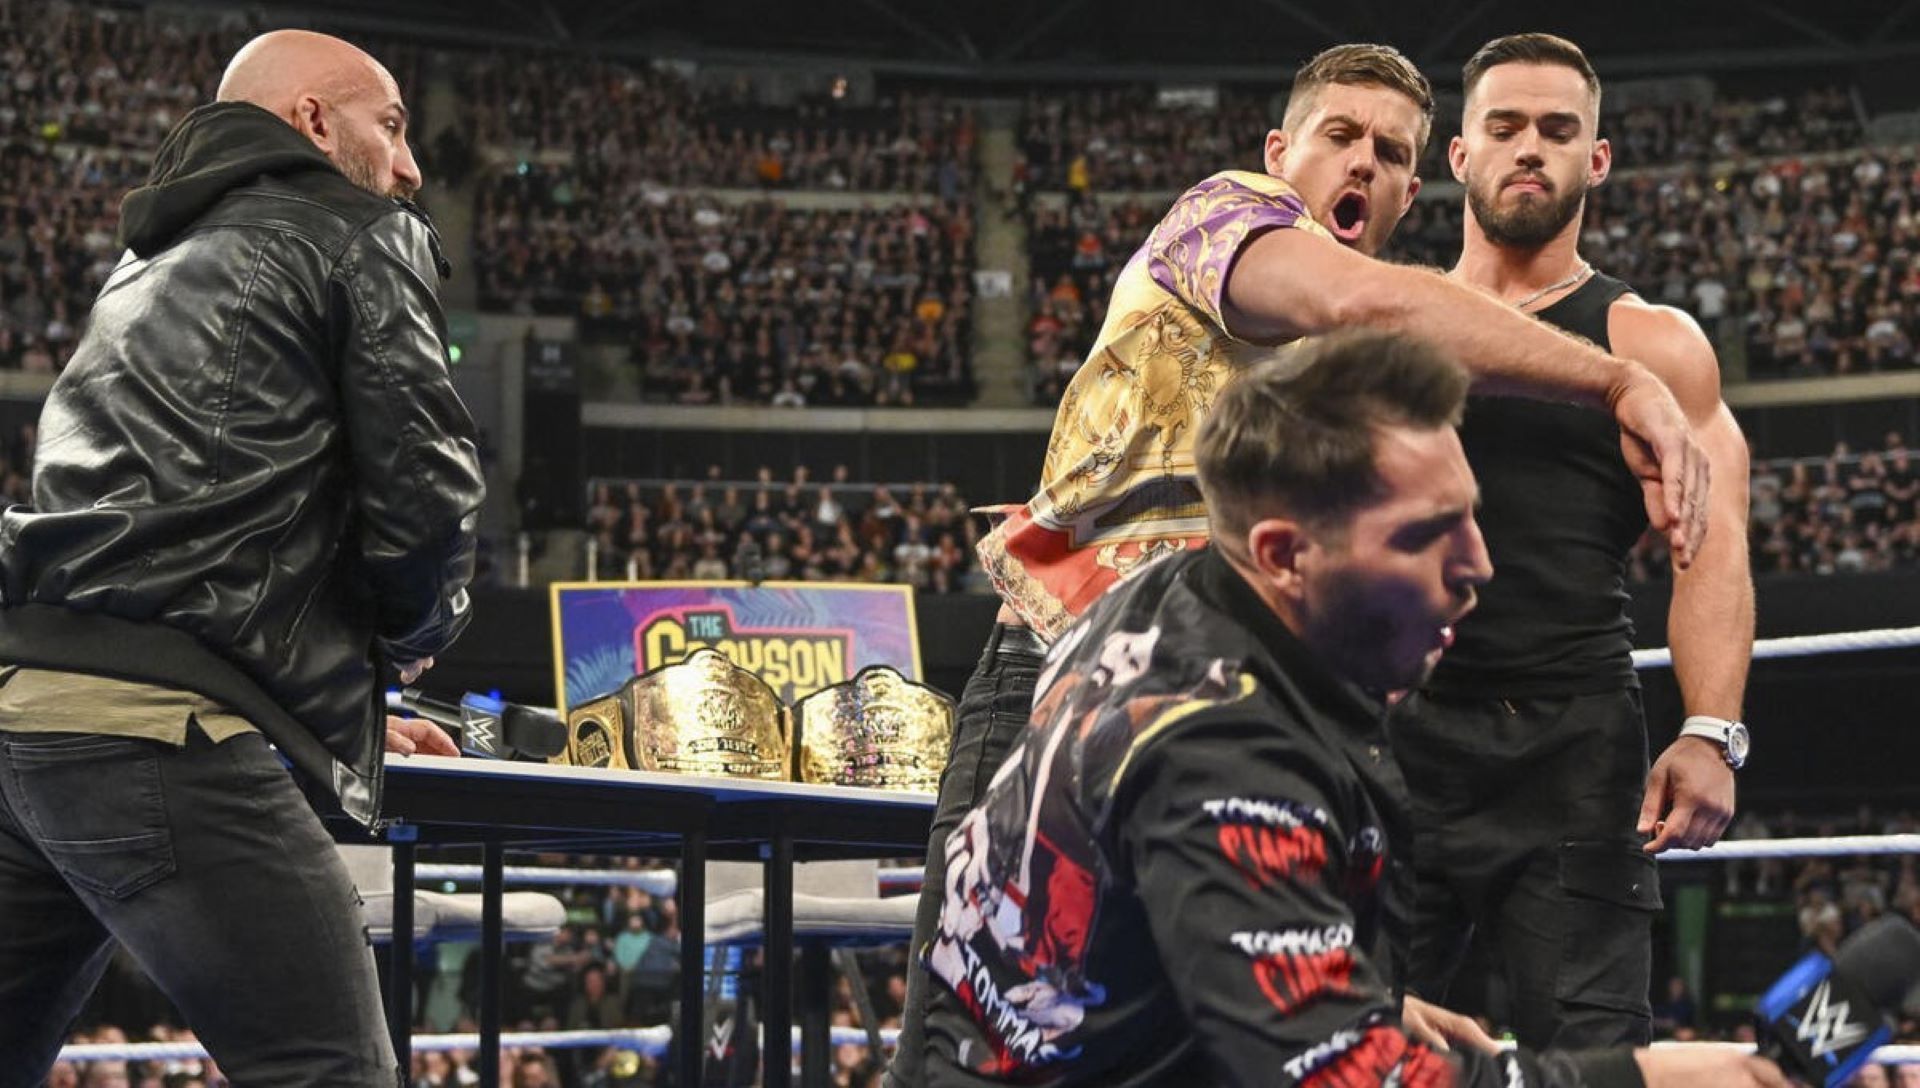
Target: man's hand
x,y
1689,799
409,736
1662,452
1692,1065
1440,1028
413,670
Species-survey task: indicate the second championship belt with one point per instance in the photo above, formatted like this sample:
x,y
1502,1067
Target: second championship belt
x,y
878,729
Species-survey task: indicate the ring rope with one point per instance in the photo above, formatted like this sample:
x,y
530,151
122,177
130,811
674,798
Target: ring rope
x,y
654,881
1727,850
1891,1054
665,881
1879,638
651,1041
1836,846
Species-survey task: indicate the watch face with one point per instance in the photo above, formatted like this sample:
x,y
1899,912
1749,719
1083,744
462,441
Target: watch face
x,y
1737,744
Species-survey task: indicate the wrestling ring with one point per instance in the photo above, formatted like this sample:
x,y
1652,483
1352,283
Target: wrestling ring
x,y
653,1042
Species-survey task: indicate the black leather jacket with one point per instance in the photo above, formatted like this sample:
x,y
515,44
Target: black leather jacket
x,y
254,479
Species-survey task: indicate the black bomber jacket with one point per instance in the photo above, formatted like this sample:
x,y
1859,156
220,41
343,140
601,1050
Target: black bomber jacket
x,y
1188,871
254,479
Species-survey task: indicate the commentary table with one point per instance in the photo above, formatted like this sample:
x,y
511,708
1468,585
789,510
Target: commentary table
x,y
436,800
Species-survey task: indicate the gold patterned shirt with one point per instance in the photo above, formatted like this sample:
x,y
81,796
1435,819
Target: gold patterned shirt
x,y
1118,487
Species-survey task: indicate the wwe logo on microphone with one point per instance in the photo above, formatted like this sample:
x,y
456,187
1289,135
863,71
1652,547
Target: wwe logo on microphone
x,y
1826,1026
480,735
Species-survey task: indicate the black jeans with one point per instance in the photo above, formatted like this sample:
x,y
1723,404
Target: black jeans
x,y
1524,838
206,862
993,713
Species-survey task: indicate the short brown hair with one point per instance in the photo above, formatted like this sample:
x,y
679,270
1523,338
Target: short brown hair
x,y
1529,49
1361,63
1294,436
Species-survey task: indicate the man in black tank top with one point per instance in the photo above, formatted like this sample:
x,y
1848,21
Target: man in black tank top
x,y
1537,819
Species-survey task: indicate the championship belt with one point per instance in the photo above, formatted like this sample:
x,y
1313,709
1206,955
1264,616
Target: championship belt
x,y
705,715
878,729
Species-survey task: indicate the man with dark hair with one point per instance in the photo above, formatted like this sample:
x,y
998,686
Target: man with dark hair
x,y
254,495
1527,750
1176,877
1242,264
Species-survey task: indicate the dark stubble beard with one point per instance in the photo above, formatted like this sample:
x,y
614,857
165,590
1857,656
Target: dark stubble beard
x,y
360,169
1353,628
1528,224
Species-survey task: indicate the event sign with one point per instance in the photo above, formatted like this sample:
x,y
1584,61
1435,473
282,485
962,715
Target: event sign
x,y
797,636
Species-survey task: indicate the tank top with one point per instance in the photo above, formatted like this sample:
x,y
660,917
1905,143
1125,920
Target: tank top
x,y
1560,511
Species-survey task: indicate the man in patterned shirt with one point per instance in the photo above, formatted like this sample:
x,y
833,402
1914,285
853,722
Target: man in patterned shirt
x,y
1243,264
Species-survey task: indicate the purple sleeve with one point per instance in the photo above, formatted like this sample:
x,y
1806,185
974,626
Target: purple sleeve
x,y
1193,249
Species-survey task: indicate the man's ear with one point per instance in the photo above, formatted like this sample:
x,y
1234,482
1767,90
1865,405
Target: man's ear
x,y
1274,151
313,120
1278,548
1600,163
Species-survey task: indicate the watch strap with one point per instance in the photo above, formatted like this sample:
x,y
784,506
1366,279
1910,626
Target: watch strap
x,y
1720,731
1707,727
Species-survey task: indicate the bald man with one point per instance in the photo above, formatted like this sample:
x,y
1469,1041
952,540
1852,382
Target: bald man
x,y
253,501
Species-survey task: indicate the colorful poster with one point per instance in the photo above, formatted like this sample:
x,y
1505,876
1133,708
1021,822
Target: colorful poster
x,y
797,636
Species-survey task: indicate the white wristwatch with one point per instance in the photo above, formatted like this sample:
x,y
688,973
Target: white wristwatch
x,y
1730,736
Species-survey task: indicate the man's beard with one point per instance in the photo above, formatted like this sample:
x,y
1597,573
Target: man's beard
x,y
1530,224
362,171
1354,629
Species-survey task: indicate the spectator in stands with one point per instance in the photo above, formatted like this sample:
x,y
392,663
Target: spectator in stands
x,y
634,938
647,988
788,533
106,1074
434,1069
1676,1010
593,1006
535,1070
546,981
710,567
670,131
1821,924
1110,139
746,303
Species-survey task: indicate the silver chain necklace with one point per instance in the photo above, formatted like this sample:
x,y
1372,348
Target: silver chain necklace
x,y
1579,274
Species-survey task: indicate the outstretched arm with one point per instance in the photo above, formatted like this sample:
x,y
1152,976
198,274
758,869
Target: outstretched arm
x,y
1289,283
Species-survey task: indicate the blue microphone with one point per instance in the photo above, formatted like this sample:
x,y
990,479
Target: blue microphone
x,y
1825,1018
490,728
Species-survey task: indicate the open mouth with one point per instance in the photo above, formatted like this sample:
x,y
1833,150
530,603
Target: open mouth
x,y
1349,216
1443,641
